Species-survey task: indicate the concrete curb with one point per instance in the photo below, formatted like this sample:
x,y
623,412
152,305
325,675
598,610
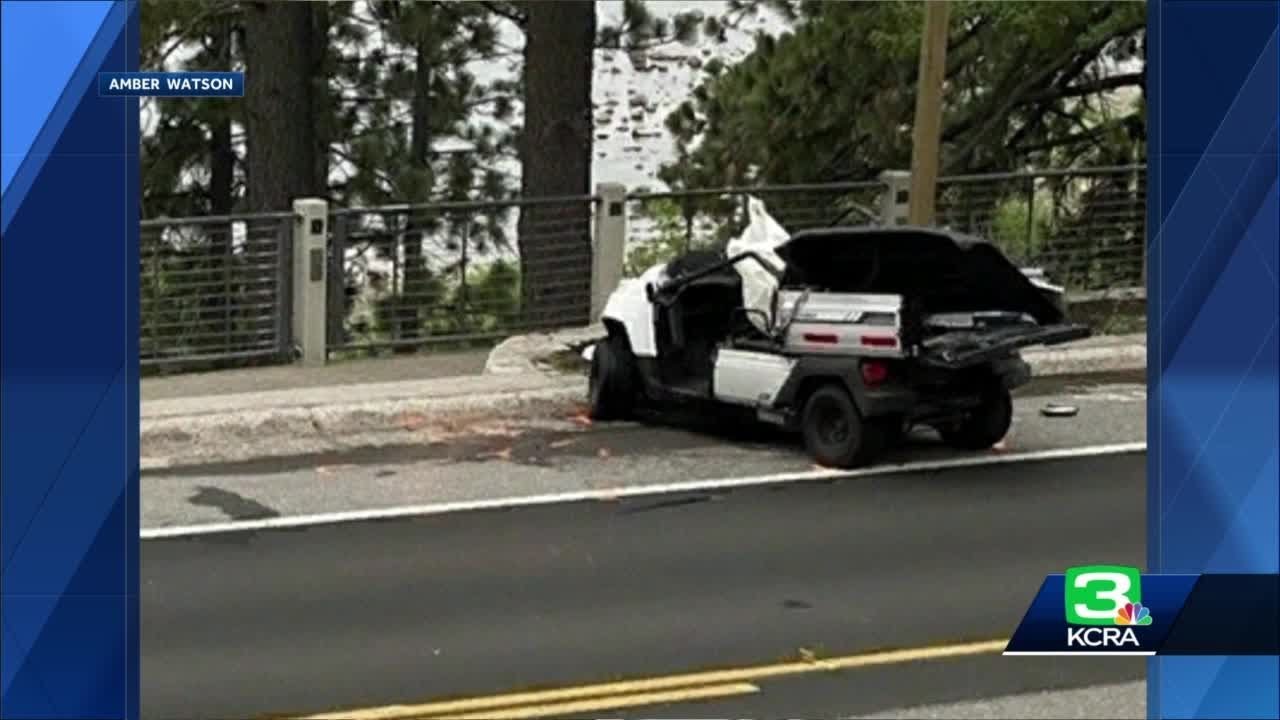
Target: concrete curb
x,y
521,353
231,428
1088,360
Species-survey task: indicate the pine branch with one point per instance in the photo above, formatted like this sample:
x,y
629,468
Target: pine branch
x,y
184,32
1066,140
1018,95
507,10
1110,82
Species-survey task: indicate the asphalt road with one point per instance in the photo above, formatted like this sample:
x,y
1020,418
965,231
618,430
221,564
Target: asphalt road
x,y
562,455
466,604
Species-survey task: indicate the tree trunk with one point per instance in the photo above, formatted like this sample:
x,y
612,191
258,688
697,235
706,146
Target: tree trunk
x,y
280,119
280,107
416,274
555,239
322,101
218,307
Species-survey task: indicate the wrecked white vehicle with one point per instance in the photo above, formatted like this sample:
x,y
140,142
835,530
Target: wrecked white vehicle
x,y
850,335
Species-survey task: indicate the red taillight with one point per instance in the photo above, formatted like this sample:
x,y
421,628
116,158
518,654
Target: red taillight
x,y
821,338
874,372
880,341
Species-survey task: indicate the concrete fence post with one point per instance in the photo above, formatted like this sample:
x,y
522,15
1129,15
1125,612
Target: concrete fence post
x,y
895,204
609,244
310,279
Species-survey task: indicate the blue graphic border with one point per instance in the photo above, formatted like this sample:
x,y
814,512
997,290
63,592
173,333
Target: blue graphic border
x,y
68,363
1214,410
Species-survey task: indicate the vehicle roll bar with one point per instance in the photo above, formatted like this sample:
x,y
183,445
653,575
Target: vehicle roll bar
x,y
675,284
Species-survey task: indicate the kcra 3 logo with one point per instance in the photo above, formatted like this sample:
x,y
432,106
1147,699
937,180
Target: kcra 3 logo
x,y
1103,606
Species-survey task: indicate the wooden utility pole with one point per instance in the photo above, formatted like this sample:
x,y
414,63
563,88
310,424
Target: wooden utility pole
x,y
926,133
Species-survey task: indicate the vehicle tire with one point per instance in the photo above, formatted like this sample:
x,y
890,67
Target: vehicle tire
x,y
985,425
834,432
611,387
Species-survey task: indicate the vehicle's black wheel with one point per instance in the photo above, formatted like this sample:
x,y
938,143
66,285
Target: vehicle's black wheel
x,y
834,431
985,425
611,385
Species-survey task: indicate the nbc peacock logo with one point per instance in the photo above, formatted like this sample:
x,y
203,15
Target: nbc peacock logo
x,y
1133,614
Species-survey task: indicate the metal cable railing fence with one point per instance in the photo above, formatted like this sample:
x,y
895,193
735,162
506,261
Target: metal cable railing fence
x,y
453,274
214,289
662,225
1086,228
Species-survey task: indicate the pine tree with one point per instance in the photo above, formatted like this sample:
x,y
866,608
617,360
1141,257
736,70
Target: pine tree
x,y
189,158
189,168
832,100
281,104
407,90
556,142
555,156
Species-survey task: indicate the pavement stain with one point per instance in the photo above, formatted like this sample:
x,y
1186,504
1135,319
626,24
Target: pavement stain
x,y
666,504
537,446
231,504
543,447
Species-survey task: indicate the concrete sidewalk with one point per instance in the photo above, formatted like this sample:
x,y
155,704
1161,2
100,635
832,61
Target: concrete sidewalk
x,y
274,412
419,366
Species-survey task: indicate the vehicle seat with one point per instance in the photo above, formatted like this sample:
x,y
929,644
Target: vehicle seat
x,y
700,319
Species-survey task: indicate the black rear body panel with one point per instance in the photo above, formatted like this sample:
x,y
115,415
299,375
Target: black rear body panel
x,y
934,271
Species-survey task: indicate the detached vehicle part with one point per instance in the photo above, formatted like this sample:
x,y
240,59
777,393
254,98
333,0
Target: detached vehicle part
x,y
1057,410
847,335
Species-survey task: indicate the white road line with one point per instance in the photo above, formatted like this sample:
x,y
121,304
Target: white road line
x,y
392,513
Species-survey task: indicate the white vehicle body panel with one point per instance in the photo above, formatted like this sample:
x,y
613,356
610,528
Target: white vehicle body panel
x,y
841,323
748,377
630,306
838,307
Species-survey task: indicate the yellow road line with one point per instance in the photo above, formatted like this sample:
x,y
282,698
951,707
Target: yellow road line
x,y
667,682
612,702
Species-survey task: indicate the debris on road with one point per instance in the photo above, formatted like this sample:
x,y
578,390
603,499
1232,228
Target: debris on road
x,y
1058,410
